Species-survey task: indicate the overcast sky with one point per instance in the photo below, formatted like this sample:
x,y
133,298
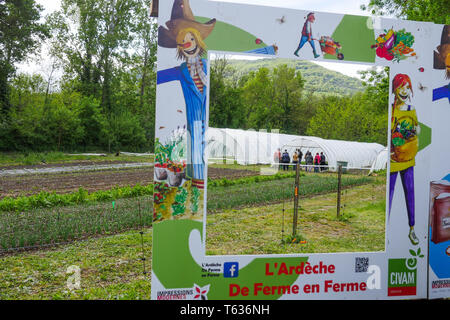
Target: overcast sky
x,y
333,6
340,6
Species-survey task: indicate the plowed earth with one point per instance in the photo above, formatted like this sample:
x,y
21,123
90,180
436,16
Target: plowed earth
x,y
12,186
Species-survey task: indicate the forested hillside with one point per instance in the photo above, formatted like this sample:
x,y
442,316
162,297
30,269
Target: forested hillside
x,y
275,94
317,78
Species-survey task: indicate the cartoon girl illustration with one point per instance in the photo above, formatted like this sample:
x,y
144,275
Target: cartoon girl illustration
x,y
404,146
187,35
307,35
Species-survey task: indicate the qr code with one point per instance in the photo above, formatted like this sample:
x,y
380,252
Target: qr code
x,y
361,264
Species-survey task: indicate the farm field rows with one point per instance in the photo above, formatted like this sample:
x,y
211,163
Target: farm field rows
x,y
13,186
247,214
111,265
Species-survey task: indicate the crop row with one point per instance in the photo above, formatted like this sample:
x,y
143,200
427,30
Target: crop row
x,y
46,199
51,199
55,218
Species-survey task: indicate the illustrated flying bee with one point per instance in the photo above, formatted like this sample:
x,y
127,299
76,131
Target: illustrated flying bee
x,y
421,87
281,20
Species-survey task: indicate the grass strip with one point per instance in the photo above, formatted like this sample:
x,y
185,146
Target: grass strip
x,y
47,200
52,157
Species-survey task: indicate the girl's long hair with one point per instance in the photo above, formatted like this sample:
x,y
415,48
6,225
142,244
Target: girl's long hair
x,y
400,80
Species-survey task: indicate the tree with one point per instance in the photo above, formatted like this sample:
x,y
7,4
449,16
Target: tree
x,y
258,96
419,10
92,37
288,86
20,33
108,49
273,98
226,108
376,84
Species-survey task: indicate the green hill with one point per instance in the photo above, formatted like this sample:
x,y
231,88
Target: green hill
x,y
318,78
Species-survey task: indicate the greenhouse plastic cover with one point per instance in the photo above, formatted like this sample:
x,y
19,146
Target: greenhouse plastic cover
x,y
381,161
258,147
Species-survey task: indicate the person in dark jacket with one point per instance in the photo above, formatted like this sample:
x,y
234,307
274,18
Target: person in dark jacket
x,y
300,155
309,161
285,159
322,161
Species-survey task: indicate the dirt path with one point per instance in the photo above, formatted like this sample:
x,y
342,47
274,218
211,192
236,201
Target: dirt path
x,y
63,164
72,168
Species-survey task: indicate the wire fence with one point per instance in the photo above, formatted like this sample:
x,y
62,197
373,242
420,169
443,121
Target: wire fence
x,y
277,218
47,227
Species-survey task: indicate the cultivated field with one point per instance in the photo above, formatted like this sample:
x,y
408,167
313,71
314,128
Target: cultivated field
x,y
93,180
101,222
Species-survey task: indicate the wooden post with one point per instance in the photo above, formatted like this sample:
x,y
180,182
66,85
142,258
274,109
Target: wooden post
x,y
339,191
297,183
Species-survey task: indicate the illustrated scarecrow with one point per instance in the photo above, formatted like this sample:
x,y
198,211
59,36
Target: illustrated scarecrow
x,y
404,146
442,52
307,35
442,61
187,35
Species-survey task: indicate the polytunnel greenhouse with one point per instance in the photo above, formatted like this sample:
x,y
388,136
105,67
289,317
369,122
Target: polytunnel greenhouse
x,y
258,147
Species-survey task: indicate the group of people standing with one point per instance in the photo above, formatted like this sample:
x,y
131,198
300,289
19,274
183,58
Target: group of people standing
x,y
318,162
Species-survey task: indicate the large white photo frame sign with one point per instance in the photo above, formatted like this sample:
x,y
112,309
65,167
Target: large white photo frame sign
x,y
180,267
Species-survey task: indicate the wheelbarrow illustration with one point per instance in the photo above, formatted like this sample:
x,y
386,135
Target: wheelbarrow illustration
x,y
328,45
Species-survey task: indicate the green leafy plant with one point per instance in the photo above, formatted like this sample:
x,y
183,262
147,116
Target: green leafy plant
x,y
179,207
46,199
195,196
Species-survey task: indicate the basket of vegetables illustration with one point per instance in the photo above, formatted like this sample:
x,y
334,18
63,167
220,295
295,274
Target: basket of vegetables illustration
x,y
405,143
394,45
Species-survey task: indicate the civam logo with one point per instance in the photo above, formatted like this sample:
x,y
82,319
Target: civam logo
x,y
231,269
402,275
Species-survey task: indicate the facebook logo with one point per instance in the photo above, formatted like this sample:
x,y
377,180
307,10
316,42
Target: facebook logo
x,y
230,269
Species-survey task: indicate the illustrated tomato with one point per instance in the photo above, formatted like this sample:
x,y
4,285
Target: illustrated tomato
x,y
381,52
389,56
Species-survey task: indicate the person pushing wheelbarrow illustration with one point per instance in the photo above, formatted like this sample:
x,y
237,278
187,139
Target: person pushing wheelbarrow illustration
x,y
307,35
327,44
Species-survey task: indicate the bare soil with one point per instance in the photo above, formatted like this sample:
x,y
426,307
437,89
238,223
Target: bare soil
x,y
12,186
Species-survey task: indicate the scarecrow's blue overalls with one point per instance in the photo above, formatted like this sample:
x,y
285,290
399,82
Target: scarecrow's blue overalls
x,y
195,115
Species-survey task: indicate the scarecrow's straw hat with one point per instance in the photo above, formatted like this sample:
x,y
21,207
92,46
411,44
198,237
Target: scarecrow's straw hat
x,y
182,18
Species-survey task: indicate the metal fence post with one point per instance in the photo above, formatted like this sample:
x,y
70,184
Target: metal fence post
x,y
297,182
339,190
